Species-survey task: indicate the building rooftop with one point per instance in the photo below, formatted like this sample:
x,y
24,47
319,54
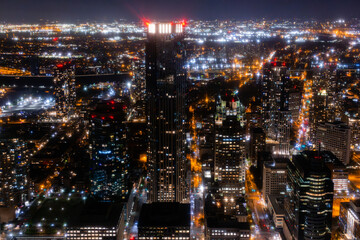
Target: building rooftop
x,y
74,211
278,163
164,214
277,204
327,156
225,222
96,214
310,161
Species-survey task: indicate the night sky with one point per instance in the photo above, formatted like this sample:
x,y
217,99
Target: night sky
x,y
22,11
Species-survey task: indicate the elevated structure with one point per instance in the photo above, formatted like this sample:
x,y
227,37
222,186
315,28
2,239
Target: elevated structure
x,y
65,90
229,162
309,198
108,152
165,88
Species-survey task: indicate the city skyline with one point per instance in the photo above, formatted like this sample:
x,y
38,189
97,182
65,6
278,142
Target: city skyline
x,y
94,10
180,129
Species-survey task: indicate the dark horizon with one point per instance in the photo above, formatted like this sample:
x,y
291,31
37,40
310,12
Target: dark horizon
x,y
12,11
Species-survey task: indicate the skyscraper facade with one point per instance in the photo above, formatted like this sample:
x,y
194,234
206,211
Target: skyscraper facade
x,y
335,137
165,89
14,163
65,90
277,117
275,177
308,198
229,164
109,159
256,143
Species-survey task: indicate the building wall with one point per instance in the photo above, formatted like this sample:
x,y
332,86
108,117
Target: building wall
x,y
108,153
230,166
227,233
168,232
308,199
335,137
90,233
274,180
165,87
65,90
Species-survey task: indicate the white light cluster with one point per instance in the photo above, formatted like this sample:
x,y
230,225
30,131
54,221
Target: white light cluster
x,y
164,28
179,28
152,28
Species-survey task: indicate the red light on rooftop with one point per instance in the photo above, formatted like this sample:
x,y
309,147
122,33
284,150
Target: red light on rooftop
x,y
60,65
112,102
111,117
103,118
146,21
55,39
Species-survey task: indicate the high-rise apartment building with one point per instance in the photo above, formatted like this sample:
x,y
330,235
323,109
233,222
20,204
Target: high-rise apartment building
x,y
18,144
308,198
335,137
165,89
65,90
295,97
281,133
256,143
14,167
275,177
277,117
229,167
108,149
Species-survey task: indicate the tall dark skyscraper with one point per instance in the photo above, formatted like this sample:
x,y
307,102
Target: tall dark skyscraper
x,y
109,168
308,198
230,149
165,87
277,117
